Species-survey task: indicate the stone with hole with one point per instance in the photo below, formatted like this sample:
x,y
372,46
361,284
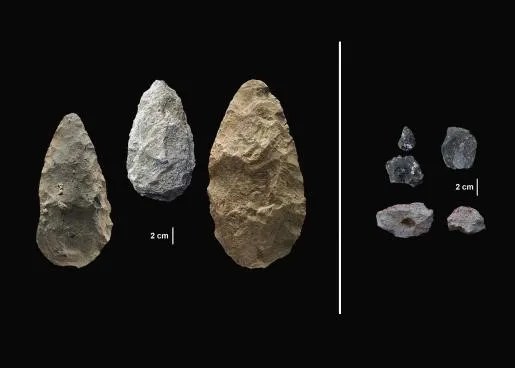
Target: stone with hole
x,y
405,220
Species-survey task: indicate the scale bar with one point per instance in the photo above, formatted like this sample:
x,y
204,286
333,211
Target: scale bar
x,y
172,236
477,187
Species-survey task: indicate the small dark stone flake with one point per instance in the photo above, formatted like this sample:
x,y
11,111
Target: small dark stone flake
x,y
407,140
459,148
405,170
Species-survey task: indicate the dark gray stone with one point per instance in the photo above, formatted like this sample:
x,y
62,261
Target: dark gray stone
x,y
407,139
405,170
160,157
459,148
466,219
405,220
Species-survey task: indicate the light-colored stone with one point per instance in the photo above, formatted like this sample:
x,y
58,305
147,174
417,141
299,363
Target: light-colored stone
x,y
160,159
256,188
466,219
74,223
405,220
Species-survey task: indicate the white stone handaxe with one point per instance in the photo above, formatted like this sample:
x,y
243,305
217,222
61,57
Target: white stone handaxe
x,y
160,158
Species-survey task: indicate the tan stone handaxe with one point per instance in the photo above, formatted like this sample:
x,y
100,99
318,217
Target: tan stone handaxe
x,y
74,223
256,189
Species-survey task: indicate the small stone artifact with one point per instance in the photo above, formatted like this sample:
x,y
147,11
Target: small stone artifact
x,y
404,170
74,223
405,220
407,139
459,148
466,219
160,157
256,189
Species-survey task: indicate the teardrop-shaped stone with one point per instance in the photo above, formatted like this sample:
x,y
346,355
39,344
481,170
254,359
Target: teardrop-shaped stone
x,y
256,189
160,159
74,223
407,140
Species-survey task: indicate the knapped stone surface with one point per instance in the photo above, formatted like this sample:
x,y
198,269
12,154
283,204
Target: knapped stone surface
x,y
160,159
459,148
256,189
74,223
407,140
466,219
405,220
404,170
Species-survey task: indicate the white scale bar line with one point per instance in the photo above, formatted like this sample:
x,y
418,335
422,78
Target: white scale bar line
x,y
477,187
172,236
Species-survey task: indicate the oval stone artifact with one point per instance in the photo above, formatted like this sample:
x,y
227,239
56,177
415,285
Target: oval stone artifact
x,y
256,189
160,157
459,148
74,223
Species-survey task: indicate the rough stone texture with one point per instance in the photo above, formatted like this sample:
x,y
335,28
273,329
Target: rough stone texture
x,y
405,220
459,148
74,223
256,188
407,139
466,219
405,170
160,158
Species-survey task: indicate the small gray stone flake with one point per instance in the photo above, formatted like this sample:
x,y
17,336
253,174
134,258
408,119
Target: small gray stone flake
x,y
466,219
459,148
407,139
405,220
405,170
160,157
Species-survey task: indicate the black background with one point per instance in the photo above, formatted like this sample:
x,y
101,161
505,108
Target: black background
x,y
428,86
104,85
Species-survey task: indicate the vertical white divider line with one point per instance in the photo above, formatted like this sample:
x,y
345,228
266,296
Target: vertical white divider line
x,y
339,177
